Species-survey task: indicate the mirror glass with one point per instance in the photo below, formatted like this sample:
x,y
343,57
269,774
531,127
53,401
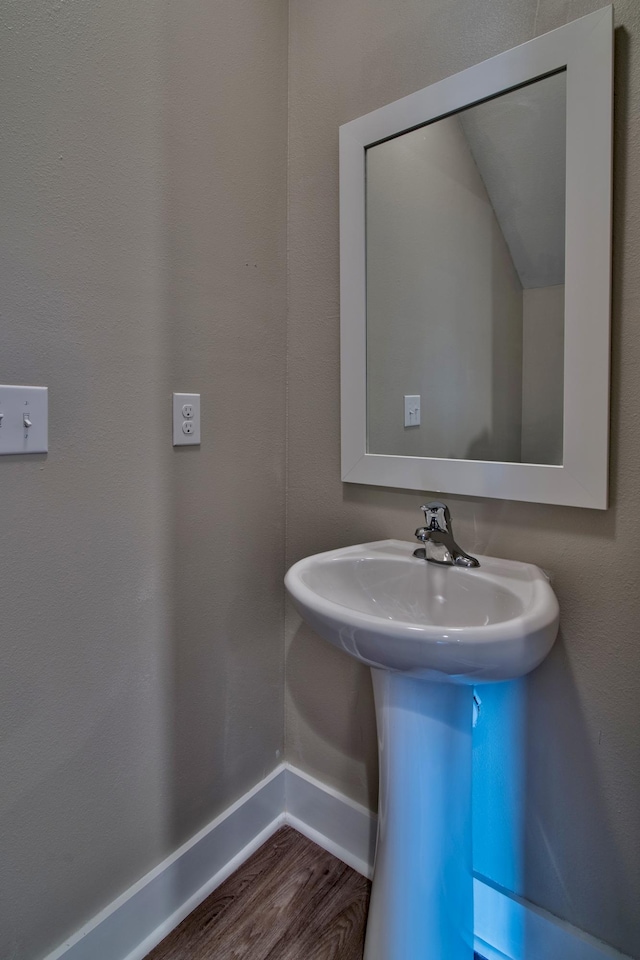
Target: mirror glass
x,y
465,241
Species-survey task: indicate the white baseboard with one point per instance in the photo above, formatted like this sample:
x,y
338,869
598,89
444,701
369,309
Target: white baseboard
x,y
144,914
339,825
507,928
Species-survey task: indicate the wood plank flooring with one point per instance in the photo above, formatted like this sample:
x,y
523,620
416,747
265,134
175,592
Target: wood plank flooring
x,y
290,901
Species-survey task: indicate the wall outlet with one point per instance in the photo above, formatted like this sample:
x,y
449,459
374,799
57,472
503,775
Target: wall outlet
x,y
186,419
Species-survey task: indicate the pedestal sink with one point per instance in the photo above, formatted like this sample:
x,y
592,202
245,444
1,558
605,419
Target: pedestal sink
x,y
429,633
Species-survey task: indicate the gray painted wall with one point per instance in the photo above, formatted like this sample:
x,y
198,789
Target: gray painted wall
x,y
143,203
557,757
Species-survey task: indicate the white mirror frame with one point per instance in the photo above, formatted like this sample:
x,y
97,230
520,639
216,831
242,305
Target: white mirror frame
x,y
585,49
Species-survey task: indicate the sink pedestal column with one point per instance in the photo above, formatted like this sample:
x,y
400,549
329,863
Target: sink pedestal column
x,y
422,895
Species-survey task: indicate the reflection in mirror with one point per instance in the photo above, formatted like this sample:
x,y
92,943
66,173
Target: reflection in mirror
x,y
465,282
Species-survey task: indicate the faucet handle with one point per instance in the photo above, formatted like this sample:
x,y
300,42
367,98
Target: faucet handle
x,y
437,516
438,534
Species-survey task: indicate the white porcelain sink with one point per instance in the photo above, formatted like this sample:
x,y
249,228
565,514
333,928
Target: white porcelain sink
x,y
429,632
382,605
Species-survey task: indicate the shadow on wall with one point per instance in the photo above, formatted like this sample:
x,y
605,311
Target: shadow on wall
x,y
333,696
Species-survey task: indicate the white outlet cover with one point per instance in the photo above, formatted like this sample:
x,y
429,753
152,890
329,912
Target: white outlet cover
x,y
180,438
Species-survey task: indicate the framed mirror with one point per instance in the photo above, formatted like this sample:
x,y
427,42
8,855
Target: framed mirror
x,y
475,278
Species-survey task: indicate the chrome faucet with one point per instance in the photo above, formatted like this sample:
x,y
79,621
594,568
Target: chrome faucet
x,y
437,537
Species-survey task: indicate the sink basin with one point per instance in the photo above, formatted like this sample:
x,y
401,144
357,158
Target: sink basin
x,y
428,632
388,609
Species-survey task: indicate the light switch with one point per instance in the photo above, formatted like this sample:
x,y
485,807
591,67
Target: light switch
x,y
24,416
412,411
186,419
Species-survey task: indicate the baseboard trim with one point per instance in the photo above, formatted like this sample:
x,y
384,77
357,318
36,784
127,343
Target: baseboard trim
x,y
337,824
507,928
144,914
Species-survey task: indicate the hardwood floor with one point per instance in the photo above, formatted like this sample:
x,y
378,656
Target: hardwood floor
x,y
290,901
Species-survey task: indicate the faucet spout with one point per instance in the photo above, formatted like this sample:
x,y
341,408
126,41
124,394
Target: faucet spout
x,y
437,537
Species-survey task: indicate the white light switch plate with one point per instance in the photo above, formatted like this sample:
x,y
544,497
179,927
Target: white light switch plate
x,y
412,410
24,415
186,419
